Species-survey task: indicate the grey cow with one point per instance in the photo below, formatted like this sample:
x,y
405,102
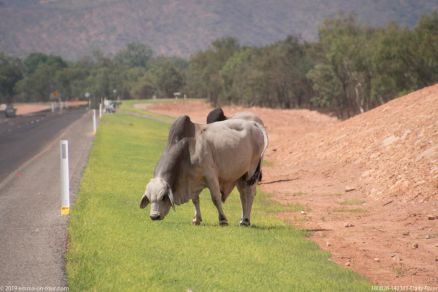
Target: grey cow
x,y
217,115
218,156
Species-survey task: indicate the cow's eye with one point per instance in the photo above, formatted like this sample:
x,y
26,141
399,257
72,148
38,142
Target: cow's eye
x,y
162,198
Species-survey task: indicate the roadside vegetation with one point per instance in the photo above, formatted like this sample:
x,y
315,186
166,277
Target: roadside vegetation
x,y
350,69
114,246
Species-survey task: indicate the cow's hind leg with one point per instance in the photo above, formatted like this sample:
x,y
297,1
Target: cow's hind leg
x,y
247,194
216,197
197,219
257,176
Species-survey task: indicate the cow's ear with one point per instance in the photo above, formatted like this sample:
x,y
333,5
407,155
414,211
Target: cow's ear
x,y
171,197
144,201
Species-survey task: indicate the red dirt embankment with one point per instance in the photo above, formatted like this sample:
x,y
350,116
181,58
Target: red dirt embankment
x,y
368,185
29,108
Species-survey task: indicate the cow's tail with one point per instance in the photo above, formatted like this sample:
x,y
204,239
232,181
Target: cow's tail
x,y
265,138
257,176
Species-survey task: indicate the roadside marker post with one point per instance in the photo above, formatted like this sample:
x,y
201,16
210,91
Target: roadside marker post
x,y
100,110
94,121
65,179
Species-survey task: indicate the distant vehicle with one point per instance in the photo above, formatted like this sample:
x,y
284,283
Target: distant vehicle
x,y
110,105
110,108
10,111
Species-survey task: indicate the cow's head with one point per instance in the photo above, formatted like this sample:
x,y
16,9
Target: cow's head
x,y
159,194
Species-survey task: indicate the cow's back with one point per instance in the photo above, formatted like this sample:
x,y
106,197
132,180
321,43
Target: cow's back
x,y
247,116
232,147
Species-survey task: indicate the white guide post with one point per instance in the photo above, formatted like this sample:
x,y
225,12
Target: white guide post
x,y
94,121
100,110
65,179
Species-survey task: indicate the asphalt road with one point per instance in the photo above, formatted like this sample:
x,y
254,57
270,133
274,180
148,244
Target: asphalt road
x,y
24,136
33,234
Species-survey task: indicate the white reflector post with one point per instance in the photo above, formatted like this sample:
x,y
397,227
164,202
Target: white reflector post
x,y
100,110
94,121
65,180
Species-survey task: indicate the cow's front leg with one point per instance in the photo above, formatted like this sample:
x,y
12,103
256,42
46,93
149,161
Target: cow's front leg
x,y
197,219
216,197
247,194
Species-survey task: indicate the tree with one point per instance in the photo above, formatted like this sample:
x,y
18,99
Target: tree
x,y
326,85
203,76
167,77
32,62
286,65
345,44
144,87
38,85
71,81
393,63
425,52
234,75
10,73
134,55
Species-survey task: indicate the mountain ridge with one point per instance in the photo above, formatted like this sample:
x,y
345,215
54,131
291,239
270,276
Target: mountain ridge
x,y
171,27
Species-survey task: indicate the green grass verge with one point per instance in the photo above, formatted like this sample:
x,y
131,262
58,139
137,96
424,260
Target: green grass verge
x,y
114,246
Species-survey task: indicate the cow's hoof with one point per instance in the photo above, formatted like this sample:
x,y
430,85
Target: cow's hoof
x,y
196,221
245,222
223,223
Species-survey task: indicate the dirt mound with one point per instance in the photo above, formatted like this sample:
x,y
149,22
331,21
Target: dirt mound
x,y
396,145
368,186
29,108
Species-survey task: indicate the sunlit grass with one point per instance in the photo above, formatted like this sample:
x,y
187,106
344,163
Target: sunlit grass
x,y
114,246
349,210
352,202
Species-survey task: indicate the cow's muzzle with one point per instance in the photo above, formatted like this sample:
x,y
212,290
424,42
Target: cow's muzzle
x,y
155,217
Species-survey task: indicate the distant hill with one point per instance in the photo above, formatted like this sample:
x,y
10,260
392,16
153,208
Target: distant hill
x,y
72,28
